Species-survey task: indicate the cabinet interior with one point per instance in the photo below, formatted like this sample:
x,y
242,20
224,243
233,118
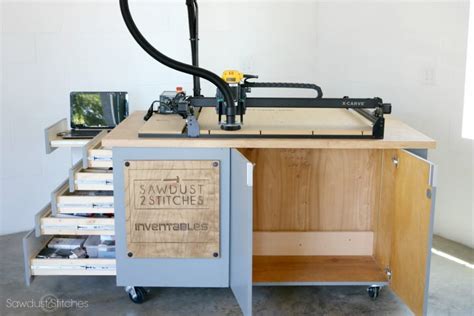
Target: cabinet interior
x,y
317,213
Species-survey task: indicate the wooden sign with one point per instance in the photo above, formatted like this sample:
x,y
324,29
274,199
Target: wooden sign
x,y
172,208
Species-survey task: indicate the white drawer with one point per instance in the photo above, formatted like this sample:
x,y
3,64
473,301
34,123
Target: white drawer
x,y
49,224
32,245
90,202
99,158
95,155
90,179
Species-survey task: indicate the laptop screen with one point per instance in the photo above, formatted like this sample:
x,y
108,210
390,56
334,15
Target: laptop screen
x,y
98,110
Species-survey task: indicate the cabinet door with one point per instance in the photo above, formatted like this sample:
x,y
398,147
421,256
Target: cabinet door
x,y
412,229
241,230
171,270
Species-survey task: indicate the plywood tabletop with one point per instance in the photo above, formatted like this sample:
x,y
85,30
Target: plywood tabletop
x,y
285,121
163,124
397,135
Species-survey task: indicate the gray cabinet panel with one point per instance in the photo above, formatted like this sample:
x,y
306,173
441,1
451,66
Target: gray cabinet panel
x,y
32,245
171,272
241,230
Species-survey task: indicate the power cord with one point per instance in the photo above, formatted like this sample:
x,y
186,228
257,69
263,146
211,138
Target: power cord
x,y
150,111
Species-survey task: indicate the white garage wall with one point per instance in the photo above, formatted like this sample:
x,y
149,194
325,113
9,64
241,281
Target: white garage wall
x,y
410,53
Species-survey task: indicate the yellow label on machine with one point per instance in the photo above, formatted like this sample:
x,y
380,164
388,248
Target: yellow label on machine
x,y
232,76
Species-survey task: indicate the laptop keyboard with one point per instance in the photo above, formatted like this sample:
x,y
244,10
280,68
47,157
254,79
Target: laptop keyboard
x,y
85,133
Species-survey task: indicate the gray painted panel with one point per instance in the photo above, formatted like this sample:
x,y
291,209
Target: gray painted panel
x,y
54,197
85,149
31,247
168,272
241,230
51,131
72,174
38,217
430,245
423,153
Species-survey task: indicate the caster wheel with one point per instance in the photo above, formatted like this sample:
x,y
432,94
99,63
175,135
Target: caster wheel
x,y
137,294
373,291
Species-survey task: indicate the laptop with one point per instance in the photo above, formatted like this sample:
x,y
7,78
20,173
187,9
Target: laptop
x,y
93,112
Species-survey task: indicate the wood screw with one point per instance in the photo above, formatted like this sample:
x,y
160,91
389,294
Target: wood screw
x,y
130,254
215,164
127,164
215,254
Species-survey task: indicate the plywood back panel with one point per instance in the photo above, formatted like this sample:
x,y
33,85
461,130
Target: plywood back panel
x,y
312,243
315,269
314,189
172,208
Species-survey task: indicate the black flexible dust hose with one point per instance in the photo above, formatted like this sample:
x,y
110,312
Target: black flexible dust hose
x,y
193,21
179,66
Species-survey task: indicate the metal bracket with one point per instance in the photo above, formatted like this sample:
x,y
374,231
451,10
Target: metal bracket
x,y
192,125
395,161
131,290
388,272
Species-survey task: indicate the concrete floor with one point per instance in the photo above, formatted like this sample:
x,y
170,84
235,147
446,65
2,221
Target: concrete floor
x,y
451,293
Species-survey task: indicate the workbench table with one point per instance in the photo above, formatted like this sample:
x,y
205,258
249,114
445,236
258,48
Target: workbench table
x,y
291,212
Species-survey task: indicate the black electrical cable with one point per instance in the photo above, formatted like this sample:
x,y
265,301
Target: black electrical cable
x,y
150,111
179,66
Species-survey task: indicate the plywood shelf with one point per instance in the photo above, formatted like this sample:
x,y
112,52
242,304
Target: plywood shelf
x,y
316,269
59,142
